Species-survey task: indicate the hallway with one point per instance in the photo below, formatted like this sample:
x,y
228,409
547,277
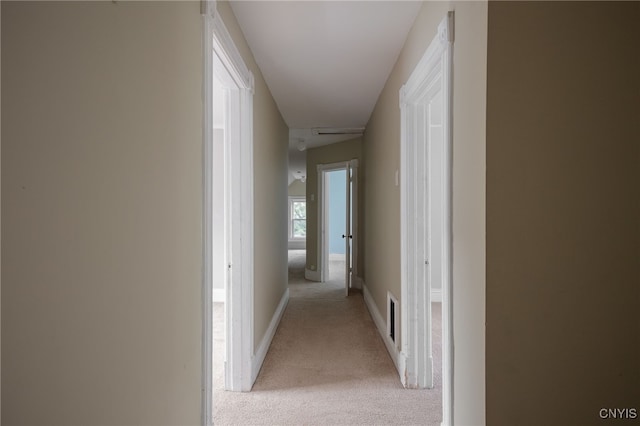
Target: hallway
x,y
327,365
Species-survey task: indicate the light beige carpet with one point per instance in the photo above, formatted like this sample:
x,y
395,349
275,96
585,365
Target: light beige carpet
x,y
327,365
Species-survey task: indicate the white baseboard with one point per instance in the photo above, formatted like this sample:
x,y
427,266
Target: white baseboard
x,y
436,295
382,327
218,295
312,275
261,353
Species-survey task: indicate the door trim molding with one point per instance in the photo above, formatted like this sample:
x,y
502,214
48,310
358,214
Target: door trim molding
x,y
207,213
229,55
435,63
218,47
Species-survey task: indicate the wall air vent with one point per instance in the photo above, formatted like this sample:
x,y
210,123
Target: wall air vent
x,y
320,131
392,318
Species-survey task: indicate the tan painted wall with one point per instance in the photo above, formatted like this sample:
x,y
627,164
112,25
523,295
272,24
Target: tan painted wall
x,y
270,161
101,209
297,189
563,202
334,153
381,148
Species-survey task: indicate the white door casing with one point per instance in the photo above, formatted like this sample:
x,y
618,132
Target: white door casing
x,y
425,189
222,58
239,300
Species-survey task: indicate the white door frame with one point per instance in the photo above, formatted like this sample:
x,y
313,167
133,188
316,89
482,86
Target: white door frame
x,y
435,66
220,51
323,247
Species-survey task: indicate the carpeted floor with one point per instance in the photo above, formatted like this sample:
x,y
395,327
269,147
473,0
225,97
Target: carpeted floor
x,y
327,365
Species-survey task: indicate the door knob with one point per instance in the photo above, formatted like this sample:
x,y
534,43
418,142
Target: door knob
x,y
350,236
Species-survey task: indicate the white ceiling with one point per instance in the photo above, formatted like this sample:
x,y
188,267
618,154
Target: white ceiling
x,y
325,62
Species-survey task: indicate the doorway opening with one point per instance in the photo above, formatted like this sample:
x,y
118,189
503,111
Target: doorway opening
x,y
426,123
335,225
227,286
338,230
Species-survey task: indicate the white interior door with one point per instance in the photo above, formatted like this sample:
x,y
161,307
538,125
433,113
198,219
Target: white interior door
x,y
347,235
354,223
351,234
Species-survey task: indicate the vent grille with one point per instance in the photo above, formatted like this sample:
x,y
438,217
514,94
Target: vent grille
x,y
392,318
319,131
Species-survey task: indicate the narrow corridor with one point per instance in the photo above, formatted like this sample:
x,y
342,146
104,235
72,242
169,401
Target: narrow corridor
x,y
327,365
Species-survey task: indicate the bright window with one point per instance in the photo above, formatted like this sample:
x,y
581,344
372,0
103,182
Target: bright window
x,y
297,218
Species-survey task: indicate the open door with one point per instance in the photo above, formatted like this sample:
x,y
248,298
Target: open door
x,y
347,235
338,214
351,231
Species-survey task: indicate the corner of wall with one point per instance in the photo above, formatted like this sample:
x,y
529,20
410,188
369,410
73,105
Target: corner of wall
x,y
469,210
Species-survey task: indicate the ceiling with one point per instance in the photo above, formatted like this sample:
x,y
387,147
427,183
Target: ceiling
x,y
325,62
